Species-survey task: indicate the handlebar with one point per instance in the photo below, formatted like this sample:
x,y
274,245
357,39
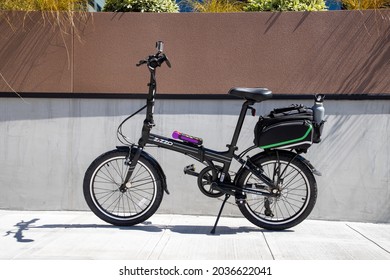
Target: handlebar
x,y
141,62
156,60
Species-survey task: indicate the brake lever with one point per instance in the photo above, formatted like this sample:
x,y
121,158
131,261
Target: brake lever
x,y
163,59
167,61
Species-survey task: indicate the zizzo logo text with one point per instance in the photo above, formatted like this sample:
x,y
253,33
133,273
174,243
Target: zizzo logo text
x,y
162,141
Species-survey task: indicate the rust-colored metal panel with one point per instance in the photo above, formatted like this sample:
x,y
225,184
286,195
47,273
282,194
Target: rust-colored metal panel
x,y
35,55
337,52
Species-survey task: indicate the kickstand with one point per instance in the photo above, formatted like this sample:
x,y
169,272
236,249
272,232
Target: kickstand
x,y
220,212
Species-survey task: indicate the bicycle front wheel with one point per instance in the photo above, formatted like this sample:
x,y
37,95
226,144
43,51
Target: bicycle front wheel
x,y
297,197
115,201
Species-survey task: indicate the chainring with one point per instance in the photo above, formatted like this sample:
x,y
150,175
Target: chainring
x,y
206,177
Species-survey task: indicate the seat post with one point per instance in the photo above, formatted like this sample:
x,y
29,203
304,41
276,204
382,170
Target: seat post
x,y
240,122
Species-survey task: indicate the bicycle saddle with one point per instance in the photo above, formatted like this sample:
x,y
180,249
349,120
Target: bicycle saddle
x,y
254,94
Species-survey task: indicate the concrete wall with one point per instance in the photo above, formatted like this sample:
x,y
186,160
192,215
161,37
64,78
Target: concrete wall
x,y
49,144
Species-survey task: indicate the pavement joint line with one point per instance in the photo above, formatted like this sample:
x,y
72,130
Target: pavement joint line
x,y
165,229
372,241
164,246
157,243
269,247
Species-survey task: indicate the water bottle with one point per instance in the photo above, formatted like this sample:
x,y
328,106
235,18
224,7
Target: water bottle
x,y
318,108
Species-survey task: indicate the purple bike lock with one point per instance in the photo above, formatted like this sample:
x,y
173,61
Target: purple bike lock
x,y
187,138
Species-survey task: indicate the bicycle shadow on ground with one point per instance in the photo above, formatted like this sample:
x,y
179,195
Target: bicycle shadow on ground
x,y
206,230
22,227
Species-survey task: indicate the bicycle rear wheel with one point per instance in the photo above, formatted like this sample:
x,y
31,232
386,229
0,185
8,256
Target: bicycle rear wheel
x,y
115,201
297,186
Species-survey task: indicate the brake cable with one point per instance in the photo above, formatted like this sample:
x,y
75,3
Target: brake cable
x,y
124,139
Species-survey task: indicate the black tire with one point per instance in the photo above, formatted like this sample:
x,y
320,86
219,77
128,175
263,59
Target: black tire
x,y
297,198
138,202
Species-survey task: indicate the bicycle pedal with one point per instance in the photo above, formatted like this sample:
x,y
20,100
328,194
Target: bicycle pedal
x,y
190,167
190,170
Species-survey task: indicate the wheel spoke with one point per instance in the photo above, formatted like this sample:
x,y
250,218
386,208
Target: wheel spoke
x,y
109,173
293,199
132,201
122,204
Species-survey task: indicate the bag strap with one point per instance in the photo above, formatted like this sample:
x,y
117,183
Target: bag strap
x,y
292,107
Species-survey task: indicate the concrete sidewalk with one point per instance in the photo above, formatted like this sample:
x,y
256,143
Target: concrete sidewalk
x,y
81,235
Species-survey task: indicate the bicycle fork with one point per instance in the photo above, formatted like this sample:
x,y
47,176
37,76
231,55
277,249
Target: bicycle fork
x,y
131,161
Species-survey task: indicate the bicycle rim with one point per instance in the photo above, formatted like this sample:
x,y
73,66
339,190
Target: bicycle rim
x,y
128,204
293,200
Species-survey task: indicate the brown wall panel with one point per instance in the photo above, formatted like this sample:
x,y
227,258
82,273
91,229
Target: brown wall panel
x,y
35,55
327,52
340,52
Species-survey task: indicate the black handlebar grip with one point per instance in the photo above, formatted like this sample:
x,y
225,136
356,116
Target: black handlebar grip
x,y
141,62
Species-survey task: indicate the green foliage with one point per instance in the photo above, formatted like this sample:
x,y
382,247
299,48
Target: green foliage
x,y
43,5
285,5
154,6
215,6
58,13
365,4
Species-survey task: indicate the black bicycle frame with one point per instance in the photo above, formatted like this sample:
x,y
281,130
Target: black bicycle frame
x,y
199,153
